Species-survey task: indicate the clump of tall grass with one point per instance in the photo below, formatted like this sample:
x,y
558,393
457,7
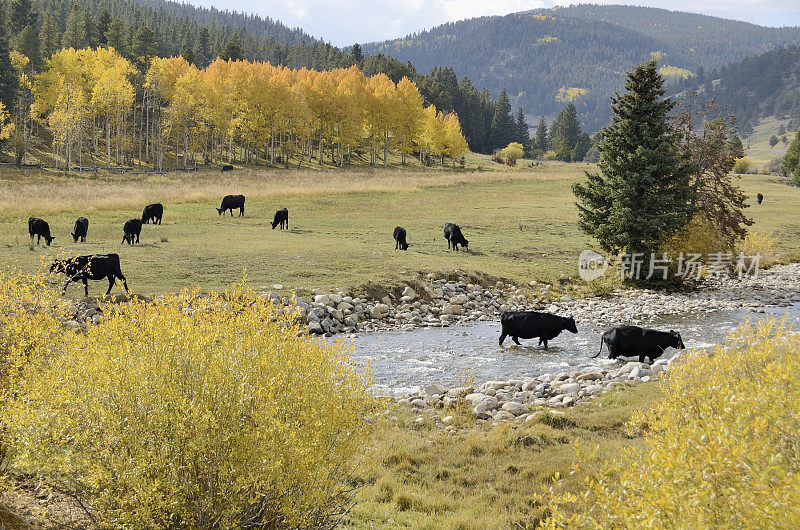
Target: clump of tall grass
x,y
199,410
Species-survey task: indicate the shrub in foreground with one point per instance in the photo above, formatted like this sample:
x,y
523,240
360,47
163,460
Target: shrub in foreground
x,y
722,449
203,411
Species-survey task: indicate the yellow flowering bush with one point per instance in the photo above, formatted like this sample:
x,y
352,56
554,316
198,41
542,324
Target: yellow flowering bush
x,y
722,450
197,410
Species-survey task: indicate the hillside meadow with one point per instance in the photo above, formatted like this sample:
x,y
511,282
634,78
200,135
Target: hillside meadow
x,y
521,224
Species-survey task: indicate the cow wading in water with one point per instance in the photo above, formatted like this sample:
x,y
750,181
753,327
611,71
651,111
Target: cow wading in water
x,y
97,267
231,202
534,325
633,341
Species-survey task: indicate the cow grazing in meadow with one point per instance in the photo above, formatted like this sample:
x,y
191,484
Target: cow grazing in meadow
x,y
759,198
154,213
281,218
80,229
97,267
400,238
633,341
231,202
226,167
39,228
534,325
453,235
131,230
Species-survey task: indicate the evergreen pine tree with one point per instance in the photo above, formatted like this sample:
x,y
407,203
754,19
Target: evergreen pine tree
x,y
541,135
49,37
90,30
202,48
357,54
232,52
21,14
565,133
115,37
791,160
523,135
503,128
26,42
188,54
641,195
9,81
144,48
103,23
75,29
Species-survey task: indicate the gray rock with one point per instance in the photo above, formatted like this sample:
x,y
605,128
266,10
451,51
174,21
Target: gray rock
x,y
435,389
515,408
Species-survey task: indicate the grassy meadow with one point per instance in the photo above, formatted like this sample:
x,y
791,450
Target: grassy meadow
x,y
521,224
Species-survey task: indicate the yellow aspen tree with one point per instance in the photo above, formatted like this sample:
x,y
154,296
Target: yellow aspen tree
x,y
410,118
455,143
111,92
382,107
60,95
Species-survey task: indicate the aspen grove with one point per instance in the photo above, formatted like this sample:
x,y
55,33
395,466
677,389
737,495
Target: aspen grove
x,y
104,111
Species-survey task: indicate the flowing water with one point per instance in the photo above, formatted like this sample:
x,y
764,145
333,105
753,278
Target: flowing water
x,y
406,361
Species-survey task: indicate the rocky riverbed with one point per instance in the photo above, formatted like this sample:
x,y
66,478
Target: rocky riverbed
x,y
443,302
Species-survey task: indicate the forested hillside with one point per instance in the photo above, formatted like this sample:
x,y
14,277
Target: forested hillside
x,y
545,58
764,85
140,31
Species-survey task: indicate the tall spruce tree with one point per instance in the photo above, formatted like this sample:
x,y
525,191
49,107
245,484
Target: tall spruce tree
x,y
503,129
9,81
540,141
523,135
21,14
565,133
49,37
75,29
202,48
641,195
103,23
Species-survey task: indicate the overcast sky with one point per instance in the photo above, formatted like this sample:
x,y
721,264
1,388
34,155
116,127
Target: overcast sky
x,y
343,22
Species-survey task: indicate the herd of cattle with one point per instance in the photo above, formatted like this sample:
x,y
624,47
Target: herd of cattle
x,y
622,341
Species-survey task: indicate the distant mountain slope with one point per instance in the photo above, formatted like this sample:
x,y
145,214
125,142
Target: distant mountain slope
x,y
756,87
547,57
692,39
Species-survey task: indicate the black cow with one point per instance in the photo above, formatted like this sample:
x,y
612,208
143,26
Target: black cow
x,y
80,229
281,218
400,238
452,233
131,231
226,167
39,228
153,212
231,202
83,268
533,325
632,341
759,198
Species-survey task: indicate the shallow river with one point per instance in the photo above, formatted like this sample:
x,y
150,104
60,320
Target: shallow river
x,y
406,361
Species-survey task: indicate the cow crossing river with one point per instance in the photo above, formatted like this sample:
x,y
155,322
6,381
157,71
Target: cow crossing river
x,y
406,361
